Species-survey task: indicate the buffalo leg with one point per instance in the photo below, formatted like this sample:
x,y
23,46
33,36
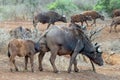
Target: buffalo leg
x,y
40,58
35,28
36,31
26,62
73,57
81,23
86,23
11,66
75,65
115,28
31,62
12,63
35,23
72,60
48,25
93,66
15,65
110,29
94,22
52,59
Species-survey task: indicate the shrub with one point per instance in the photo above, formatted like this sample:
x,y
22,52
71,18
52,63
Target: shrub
x,y
65,6
4,39
107,5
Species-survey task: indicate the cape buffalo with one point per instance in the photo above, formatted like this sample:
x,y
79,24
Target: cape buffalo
x,y
69,41
94,15
116,13
115,22
49,17
80,18
22,48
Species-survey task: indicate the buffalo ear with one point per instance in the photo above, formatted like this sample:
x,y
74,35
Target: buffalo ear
x,y
96,44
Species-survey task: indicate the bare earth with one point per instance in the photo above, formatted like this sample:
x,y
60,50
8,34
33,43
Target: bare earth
x,y
106,72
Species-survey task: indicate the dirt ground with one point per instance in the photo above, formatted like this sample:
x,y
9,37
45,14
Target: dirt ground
x,y
106,72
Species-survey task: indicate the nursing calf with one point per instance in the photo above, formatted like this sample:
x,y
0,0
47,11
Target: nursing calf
x,y
22,48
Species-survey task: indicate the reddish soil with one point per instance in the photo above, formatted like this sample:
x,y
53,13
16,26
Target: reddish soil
x,y
106,72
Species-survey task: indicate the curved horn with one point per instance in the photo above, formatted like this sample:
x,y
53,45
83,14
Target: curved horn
x,y
96,43
99,49
64,16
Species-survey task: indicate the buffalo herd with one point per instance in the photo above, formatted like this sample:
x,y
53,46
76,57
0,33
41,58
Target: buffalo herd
x,y
60,40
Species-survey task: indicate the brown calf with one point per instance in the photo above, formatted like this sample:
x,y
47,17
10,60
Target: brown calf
x,y
21,48
115,21
94,15
116,13
80,18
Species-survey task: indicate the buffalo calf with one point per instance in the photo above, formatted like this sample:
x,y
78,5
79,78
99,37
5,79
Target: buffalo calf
x,y
94,15
115,21
80,18
49,17
22,48
116,13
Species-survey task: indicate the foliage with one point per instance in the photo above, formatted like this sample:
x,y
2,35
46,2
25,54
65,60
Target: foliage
x,y
115,4
65,6
107,5
26,9
85,4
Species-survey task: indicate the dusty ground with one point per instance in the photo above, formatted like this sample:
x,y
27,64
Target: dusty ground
x,y
106,72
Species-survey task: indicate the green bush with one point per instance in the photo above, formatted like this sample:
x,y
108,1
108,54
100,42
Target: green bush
x,y
65,6
107,5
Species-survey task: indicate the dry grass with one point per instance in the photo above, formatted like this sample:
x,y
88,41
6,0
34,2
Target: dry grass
x,y
107,72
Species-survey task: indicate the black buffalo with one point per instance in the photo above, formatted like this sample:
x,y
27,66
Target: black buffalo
x,y
49,17
69,41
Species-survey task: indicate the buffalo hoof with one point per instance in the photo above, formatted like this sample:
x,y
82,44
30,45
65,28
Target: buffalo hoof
x,y
94,70
16,69
11,70
40,69
25,70
56,71
76,70
69,71
32,70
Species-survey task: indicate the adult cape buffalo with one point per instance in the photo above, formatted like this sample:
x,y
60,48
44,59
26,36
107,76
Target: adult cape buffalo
x,y
69,41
